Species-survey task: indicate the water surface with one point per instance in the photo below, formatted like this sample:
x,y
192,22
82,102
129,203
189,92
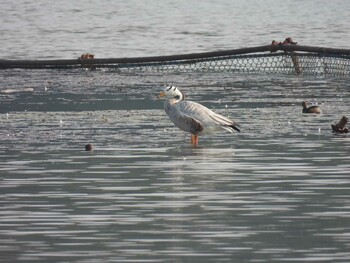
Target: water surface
x,y
277,192
66,29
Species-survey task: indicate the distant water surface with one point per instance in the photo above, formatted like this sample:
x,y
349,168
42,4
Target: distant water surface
x,y
66,29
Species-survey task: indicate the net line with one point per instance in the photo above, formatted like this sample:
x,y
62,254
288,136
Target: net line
x,y
286,59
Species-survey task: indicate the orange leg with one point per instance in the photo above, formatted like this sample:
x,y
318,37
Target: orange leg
x,y
194,139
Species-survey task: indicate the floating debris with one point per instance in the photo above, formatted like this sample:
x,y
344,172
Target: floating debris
x,y
88,147
19,90
340,126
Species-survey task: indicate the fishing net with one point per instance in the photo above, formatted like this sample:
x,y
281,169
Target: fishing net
x,y
282,59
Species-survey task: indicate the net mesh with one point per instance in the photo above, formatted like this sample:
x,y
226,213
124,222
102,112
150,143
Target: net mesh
x,y
283,59
295,63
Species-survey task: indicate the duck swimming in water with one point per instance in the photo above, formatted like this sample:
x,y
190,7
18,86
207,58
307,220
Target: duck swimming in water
x,y
311,109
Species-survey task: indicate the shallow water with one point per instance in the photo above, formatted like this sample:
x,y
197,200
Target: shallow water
x,y
277,192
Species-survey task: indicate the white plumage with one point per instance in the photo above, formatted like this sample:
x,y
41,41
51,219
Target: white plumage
x,y
193,117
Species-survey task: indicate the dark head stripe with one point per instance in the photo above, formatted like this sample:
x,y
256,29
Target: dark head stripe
x,y
170,87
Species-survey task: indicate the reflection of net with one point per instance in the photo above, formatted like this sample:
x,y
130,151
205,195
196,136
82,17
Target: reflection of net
x,y
288,59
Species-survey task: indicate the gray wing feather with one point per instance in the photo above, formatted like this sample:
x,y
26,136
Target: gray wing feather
x,y
182,118
194,117
190,124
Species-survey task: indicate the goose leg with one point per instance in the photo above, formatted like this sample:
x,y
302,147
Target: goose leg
x,y
194,139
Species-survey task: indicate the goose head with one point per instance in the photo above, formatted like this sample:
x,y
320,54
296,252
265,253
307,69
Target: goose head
x,y
172,93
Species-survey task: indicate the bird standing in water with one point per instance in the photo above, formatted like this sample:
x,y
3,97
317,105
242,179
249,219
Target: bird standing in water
x,y
193,117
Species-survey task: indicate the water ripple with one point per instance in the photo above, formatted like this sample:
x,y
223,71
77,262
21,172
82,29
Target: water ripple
x,y
278,191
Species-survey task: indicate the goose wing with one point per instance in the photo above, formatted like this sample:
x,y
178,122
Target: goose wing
x,y
224,122
191,116
184,117
209,119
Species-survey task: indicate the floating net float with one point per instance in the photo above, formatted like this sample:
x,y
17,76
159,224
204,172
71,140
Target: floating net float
x,y
275,58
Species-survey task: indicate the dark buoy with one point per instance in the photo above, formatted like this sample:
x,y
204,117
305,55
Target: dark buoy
x,y
88,147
